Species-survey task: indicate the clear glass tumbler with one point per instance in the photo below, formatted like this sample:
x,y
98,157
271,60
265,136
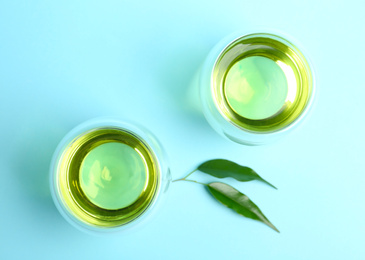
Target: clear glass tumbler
x,y
108,174
256,87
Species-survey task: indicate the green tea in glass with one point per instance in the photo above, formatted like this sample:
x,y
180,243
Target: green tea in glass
x,y
106,175
255,87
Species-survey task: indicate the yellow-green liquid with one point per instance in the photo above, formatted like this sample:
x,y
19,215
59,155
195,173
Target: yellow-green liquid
x,y
108,177
261,83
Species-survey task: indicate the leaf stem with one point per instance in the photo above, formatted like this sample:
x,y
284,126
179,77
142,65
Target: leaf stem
x,y
183,179
196,182
190,174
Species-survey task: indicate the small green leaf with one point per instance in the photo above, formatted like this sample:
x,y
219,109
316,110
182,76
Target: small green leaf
x,y
237,201
221,168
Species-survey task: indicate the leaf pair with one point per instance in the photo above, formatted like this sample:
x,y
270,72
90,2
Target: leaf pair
x,y
228,195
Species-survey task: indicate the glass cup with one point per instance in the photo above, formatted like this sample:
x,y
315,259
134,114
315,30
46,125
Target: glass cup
x,y
107,175
254,88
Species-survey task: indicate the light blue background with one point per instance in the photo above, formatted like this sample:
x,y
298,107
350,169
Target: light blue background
x,y
63,62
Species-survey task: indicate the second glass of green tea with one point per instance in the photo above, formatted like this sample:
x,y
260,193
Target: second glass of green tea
x,y
107,175
255,87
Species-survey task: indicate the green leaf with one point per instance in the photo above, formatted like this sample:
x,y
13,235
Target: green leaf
x,y
221,168
238,201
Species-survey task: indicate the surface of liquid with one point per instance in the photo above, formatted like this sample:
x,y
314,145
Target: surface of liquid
x,y
113,175
108,177
256,87
261,83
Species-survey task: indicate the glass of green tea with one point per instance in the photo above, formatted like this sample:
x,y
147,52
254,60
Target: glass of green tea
x,y
256,87
107,175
